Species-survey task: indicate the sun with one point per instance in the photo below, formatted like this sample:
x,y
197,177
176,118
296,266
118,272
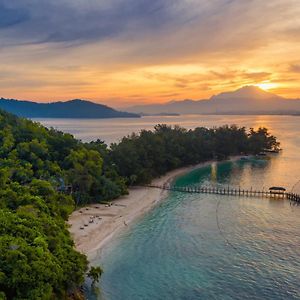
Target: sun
x,y
266,85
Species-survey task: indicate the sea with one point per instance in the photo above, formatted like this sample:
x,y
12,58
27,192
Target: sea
x,y
194,246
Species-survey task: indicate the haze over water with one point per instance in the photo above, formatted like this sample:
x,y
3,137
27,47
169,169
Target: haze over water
x,y
208,246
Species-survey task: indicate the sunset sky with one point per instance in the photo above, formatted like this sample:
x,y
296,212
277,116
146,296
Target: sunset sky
x,y
120,52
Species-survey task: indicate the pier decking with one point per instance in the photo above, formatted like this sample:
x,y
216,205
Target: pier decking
x,y
229,192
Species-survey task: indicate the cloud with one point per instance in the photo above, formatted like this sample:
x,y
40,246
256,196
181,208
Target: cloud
x,y
189,80
109,45
10,17
76,21
140,32
40,21
295,68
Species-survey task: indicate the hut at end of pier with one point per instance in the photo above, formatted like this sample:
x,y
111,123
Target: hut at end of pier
x,y
277,190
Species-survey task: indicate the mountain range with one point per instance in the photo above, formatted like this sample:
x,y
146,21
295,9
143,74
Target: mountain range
x,y
246,100
69,109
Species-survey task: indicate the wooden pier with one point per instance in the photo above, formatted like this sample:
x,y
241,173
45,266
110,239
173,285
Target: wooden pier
x,y
293,197
229,192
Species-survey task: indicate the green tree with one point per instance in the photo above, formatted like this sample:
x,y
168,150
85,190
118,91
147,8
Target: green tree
x,y
95,274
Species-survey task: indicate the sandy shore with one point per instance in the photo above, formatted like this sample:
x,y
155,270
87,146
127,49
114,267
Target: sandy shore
x,y
93,226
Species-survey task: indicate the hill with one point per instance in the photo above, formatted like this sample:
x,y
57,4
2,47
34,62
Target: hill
x,y
37,168
70,109
246,100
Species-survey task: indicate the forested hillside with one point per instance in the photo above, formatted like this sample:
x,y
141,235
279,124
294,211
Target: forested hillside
x,y
37,166
44,174
69,109
142,157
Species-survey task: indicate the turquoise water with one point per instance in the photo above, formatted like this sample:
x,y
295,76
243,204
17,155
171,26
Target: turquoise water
x,y
208,246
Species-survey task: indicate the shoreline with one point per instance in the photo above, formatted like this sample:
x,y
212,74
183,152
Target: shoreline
x,y
94,226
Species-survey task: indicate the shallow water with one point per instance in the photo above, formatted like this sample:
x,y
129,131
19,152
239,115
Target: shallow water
x,y
209,246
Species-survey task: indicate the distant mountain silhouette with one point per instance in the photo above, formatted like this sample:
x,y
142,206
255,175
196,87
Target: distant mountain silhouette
x,y
69,109
246,100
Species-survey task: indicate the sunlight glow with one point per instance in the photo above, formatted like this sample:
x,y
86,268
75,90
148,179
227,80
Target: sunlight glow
x,y
267,85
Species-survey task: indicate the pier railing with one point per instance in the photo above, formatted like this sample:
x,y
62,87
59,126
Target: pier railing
x,y
228,191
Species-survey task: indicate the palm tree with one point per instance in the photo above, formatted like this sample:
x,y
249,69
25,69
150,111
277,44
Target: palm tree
x,y
95,274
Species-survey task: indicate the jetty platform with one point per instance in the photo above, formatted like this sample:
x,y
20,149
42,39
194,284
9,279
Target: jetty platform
x,y
271,193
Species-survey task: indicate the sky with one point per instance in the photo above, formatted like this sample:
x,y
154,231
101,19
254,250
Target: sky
x,y
124,52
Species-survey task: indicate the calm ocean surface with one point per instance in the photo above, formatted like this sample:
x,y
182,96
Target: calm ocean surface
x,y
206,246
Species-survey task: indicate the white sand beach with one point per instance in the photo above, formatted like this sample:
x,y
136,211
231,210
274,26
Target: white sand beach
x,y
93,226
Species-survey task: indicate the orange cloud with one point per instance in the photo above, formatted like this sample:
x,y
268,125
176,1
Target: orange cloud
x,y
123,52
